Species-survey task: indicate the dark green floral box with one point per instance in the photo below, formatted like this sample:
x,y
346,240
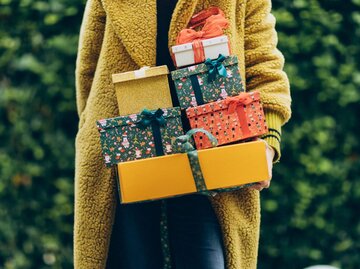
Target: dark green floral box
x,y
139,136
208,82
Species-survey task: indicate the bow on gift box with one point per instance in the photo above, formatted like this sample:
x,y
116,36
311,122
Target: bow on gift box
x,y
236,104
149,117
216,67
182,144
199,19
155,119
214,26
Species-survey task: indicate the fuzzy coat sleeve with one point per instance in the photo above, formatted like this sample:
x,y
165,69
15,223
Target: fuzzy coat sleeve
x,y
91,38
264,69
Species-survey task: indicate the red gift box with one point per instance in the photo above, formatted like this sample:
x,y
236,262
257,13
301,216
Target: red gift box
x,y
230,120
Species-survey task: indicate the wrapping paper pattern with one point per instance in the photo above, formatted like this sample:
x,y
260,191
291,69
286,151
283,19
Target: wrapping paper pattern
x,y
188,79
123,139
236,118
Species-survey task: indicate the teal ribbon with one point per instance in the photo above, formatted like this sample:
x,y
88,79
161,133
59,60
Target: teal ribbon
x,y
216,67
182,144
148,117
155,120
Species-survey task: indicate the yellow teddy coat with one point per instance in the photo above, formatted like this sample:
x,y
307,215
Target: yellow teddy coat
x,y
120,35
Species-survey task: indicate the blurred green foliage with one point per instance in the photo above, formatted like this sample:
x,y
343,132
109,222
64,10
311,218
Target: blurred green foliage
x,y
38,43
310,212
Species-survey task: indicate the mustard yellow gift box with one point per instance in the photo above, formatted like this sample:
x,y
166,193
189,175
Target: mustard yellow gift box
x,y
149,86
171,175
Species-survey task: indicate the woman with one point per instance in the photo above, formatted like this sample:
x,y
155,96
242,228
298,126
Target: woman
x,y
118,36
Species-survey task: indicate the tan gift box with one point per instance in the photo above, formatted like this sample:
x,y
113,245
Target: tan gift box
x,y
147,87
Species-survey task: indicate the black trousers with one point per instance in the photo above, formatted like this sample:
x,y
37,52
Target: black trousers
x,y
194,234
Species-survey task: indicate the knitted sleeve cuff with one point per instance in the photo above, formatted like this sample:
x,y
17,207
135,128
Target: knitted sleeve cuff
x,y
273,137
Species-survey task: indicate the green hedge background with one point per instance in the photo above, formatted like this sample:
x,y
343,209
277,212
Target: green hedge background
x,y
310,214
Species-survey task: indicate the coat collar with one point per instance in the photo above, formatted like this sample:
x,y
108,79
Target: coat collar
x,y
136,25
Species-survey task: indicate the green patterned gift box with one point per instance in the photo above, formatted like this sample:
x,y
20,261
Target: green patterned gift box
x,y
139,136
211,81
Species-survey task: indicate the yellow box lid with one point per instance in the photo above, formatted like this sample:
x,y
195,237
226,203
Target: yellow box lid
x,y
144,72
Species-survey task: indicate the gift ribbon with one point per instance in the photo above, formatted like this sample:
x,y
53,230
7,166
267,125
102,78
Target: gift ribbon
x,y
197,91
199,19
182,144
236,104
199,51
214,26
216,67
155,120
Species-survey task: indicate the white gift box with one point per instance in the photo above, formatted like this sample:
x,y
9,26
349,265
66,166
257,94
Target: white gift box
x,y
184,54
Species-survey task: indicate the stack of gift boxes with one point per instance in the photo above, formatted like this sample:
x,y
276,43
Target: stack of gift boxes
x,y
153,157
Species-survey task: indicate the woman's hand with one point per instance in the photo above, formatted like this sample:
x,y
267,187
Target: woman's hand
x,y
270,153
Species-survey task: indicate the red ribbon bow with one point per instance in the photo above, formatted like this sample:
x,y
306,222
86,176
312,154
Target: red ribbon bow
x,y
199,19
235,104
213,27
240,100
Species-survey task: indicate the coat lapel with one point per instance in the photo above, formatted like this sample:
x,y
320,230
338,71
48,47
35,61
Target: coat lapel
x,y
136,25
180,18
